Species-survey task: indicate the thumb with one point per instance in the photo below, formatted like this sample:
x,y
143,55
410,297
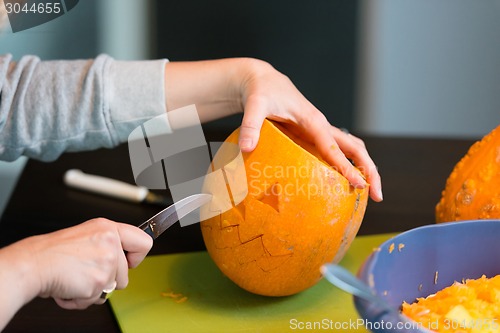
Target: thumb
x,y
251,125
135,242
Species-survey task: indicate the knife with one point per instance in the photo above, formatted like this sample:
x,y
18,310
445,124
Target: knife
x,y
113,188
156,225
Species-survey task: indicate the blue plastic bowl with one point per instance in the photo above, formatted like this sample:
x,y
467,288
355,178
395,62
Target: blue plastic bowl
x,y
433,257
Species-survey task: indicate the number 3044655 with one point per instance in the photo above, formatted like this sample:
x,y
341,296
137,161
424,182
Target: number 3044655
x,y
35,8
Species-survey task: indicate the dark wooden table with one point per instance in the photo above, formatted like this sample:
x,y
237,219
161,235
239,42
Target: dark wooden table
x,y
414,172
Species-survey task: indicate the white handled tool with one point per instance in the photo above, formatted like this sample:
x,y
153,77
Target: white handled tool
x,y
112,188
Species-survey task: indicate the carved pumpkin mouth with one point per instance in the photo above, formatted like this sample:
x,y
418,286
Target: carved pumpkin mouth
x,y
298,215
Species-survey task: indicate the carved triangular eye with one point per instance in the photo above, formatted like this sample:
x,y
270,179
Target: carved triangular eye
x,y
271,196
299,213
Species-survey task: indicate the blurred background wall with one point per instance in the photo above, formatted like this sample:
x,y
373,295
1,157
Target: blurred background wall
x,y
313,43
428,68
385,67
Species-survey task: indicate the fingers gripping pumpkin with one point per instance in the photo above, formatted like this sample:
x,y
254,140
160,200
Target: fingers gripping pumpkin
x,y
299,214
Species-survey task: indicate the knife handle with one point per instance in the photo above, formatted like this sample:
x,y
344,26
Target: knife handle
x,y
105,186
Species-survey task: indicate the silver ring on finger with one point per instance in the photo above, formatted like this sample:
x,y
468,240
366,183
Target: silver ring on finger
x,y
106,293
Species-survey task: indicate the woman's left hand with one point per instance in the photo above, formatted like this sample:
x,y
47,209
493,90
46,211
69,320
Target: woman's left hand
x,y
269,94
223,87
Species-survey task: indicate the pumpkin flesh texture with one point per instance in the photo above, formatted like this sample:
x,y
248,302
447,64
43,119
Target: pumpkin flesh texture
x,y
299,214
473,188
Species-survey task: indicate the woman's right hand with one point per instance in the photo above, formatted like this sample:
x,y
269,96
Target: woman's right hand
x,y
75,265
72,265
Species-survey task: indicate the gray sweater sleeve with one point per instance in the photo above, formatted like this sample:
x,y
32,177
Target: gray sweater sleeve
x,y
49,107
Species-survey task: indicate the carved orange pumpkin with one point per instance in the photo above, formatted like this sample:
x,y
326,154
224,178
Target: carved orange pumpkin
x,y
473,189
299,214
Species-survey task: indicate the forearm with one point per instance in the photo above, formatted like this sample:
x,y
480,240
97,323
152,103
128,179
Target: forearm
x,y
17,281
214,86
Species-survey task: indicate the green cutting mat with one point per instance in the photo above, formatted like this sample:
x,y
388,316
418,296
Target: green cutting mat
x,y
214,304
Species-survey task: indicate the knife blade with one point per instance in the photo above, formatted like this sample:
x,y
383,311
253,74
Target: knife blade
x,y
113,188
156,225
